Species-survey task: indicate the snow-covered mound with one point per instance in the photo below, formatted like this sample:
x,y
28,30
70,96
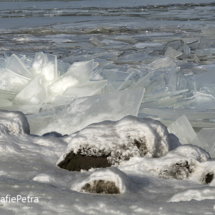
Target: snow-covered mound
x,y
185,162
120,140
14,122
194,194
108,180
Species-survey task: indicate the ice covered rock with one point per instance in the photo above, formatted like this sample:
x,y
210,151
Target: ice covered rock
x,y
14,122
185,162
86,110
116,141
182,129
107,181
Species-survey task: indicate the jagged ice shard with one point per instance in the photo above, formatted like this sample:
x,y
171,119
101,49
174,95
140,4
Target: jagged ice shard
x,y
87,110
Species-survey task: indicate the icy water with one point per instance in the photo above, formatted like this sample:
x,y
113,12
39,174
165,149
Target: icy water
x,y
65,27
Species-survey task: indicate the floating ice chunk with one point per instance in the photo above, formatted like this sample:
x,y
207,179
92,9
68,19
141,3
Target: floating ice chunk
x,y
172,53
46,65
116,78
90,88
95,41
28,93
182,129
87,110
78,73
16,65
108,181
185,48
144,45
134,57
112,42
11,81
126,39
162,63
205,43
208,32
14,122
206,140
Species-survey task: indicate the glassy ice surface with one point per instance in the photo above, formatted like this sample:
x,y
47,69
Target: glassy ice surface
x,y
15,64
182,129
34,93
206,140
46,66
87,110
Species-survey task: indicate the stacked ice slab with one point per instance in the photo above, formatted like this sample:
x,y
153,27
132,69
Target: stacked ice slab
x,y
42,83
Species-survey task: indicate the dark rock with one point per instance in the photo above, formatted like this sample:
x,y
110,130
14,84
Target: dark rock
x,y
76,162
180,170
101,186
53,134
209,177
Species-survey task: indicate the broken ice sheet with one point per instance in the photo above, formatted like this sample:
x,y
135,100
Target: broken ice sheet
x,y
162,63
87,110
33,88
87,89
182,129
144,45
133,57
78,73
11,81
206,140
115,77
16,65
4,94
95,41
46,65
172,53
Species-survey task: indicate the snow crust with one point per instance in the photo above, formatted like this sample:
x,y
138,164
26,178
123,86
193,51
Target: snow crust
x,y
28,168
194,194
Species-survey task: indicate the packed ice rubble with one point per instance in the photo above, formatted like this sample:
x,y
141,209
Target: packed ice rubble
x,y
41,80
